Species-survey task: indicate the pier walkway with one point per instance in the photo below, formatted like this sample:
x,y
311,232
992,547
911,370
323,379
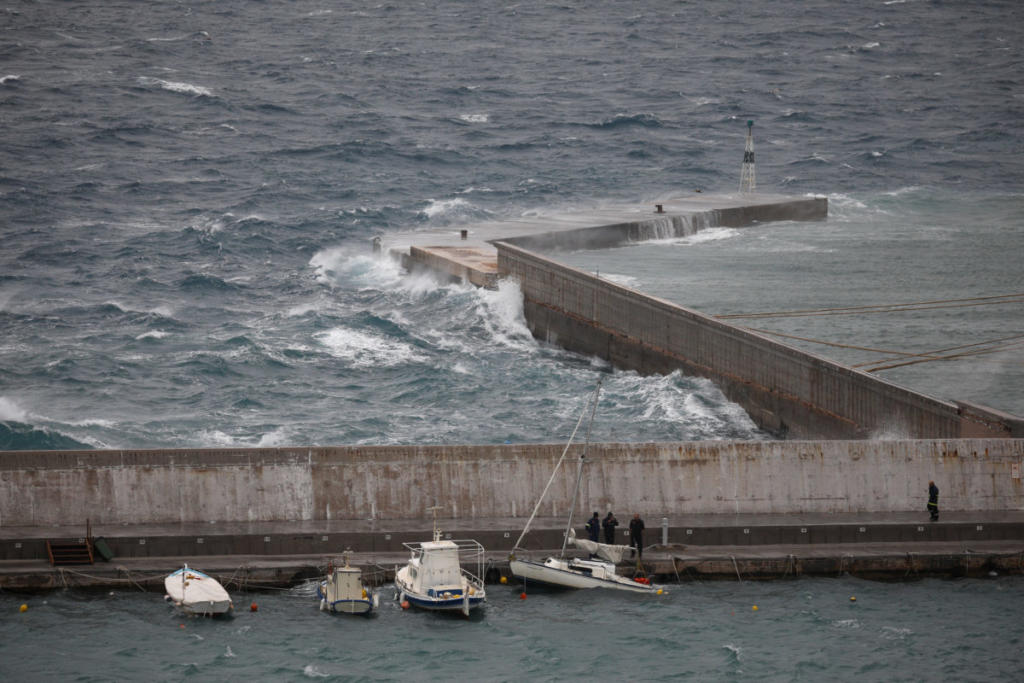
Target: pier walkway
x,y
729,547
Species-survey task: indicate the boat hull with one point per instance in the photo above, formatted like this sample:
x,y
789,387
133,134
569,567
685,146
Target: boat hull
x,y
197,593
567,577
427,602
345,605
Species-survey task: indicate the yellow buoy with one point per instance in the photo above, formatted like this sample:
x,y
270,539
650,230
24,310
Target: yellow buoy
x,y
754,608
23,608
853,598
660,591
503,580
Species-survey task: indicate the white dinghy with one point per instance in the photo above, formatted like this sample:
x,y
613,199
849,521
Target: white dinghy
x,y
434,578
344,591
197,593
571,572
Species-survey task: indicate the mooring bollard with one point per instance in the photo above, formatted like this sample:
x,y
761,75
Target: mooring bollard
x,y
659,208
664,530
464,233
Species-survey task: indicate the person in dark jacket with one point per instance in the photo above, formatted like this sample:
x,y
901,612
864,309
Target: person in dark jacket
x,y
933,500
636,536
608,524
594,528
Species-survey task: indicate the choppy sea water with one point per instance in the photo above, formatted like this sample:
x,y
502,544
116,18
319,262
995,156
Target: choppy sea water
x,y
808,629
188,192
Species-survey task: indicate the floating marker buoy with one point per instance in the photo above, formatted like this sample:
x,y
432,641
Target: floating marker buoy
x,y
522,596
23,608
660,591
503,580
754,608
181,625
405,604
254,607
853,598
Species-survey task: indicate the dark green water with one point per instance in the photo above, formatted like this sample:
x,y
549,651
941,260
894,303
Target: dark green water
x,y
802,630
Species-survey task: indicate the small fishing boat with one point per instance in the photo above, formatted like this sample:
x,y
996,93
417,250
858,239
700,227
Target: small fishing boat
x,y
344,591
598,571
197,593
434,579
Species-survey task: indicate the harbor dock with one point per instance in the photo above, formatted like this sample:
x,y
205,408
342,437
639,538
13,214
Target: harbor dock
x,y
699,547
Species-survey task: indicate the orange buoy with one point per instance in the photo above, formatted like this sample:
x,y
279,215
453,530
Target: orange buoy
x,y
522,596
405,604
254,607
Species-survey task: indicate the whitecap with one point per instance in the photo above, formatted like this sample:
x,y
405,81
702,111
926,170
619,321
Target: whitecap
x,y
366,350
176,86
846,623
229,653
895,633
502,313
278,437
311,671
869,46
9,410
443,207
474,118
9,77
619,279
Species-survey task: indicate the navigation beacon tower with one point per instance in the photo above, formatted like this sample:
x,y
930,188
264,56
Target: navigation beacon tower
x,y
747,176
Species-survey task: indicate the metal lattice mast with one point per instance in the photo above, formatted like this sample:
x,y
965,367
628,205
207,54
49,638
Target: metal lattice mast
x,y
748,180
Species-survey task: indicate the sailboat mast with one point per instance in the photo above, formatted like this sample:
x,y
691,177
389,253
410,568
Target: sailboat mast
x,y
579,470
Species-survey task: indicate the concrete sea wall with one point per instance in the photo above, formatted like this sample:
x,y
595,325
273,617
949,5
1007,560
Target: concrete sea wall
x,y
786,391
53,488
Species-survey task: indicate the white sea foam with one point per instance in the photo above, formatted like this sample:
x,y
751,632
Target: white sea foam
x,y
278,437
846,623
9,77
9,410
437,208
619,279
311,671
94,422
474,118
895,633
502,313
229,653
367,350
176,86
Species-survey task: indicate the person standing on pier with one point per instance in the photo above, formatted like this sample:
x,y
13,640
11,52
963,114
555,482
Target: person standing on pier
x,y
594,528
933,500
636,536
609,523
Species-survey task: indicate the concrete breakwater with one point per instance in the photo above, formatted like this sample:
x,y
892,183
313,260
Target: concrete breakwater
x,y
54,488
786,391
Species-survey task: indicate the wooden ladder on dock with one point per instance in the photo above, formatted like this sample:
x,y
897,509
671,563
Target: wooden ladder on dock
x,y
71,552
68,552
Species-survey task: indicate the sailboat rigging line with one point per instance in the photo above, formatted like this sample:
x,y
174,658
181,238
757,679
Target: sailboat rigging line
x,y
557,466
579,470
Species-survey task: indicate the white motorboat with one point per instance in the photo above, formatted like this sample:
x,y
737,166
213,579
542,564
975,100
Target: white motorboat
x,y
344,591
434,578
197,593
598,571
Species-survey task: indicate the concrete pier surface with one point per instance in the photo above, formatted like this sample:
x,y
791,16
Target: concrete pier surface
x,y
467,252
729,547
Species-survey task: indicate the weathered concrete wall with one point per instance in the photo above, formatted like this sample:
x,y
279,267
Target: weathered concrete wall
x,y
477,482
785,390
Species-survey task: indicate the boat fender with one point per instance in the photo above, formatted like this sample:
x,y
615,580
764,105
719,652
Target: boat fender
x,y
364,594
323,604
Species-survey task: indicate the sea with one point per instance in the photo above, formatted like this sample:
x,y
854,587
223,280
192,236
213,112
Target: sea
x,y
188,195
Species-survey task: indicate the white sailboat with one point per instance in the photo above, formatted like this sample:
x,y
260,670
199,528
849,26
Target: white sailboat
x,y
344,591
434,579
571,572
197,593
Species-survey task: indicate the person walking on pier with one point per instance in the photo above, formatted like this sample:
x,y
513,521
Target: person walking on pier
x,y
933,500
636,536
594,528
608,524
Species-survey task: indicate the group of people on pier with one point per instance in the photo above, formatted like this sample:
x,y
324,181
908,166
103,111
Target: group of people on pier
x,y
636,531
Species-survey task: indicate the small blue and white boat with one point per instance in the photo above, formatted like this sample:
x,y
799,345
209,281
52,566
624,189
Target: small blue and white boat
x,y
434,579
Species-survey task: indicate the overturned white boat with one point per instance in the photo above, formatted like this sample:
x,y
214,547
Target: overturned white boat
x,y
344,591
434,578
572,572
197,593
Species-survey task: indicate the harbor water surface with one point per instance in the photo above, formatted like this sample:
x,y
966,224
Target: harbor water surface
x,y
804,629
